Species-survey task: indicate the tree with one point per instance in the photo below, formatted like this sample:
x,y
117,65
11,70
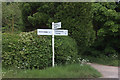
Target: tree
x,y
11,16
76,17
107,27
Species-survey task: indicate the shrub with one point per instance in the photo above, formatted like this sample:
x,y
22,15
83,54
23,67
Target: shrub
x,y
33,51
9,48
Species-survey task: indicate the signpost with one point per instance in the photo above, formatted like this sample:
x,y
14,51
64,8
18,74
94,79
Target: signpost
x,y
61,32
49,32
53,31
57,25
44,31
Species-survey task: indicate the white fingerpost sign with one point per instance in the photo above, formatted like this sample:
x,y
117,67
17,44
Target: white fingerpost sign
x,y
57,25
53,31
61,32
44,31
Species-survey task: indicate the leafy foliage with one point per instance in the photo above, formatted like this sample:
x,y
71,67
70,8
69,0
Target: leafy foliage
x,y
11,17
9,48
105,60
33,51
107,28
84,21
76,17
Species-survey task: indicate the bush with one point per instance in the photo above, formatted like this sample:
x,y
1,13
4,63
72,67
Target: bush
x,y
33,51
9,48
108,48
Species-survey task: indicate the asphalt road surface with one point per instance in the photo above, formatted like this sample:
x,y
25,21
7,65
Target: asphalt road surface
x,y
106,71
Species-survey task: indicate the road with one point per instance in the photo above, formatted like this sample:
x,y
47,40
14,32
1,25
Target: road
x,y
106,71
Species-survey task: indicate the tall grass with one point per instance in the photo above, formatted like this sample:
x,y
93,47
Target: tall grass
x,y
66,71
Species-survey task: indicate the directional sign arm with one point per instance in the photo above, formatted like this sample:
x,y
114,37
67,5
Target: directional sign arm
x,y
49,32
57,25
44,31
61,32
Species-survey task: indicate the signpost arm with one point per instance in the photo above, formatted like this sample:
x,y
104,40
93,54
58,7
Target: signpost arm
x,y
53,43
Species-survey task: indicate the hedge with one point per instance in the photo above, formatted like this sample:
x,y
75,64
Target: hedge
x,y
28,50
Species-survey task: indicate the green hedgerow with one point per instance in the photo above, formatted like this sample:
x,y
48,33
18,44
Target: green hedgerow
x,y
33,51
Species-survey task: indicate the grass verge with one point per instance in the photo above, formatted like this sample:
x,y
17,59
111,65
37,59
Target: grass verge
x,y
104,60
66,71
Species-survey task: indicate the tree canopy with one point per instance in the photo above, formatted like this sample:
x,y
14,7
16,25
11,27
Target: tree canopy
x,y
76,17
106,17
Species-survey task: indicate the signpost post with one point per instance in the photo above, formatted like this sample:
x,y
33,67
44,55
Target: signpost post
x,y
53,31
53,43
